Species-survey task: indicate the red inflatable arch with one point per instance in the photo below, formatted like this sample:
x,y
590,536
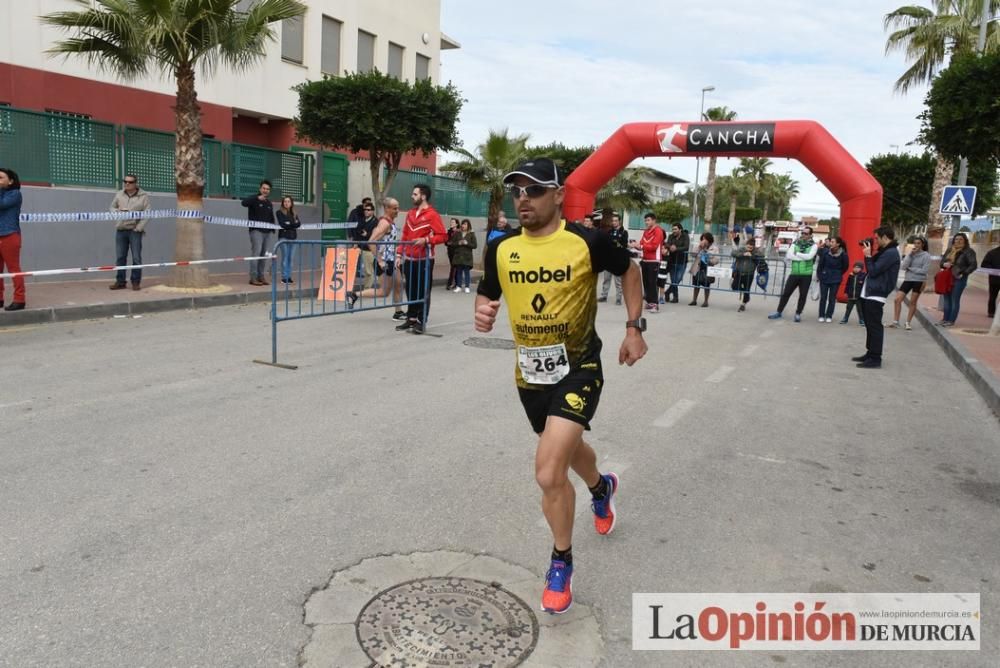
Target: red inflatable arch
x,y
859,194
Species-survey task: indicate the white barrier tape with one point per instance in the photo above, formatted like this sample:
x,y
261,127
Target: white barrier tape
x,y
126,267
104,216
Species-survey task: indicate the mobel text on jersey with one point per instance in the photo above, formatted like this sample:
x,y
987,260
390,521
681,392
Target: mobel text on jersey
x,y
541,275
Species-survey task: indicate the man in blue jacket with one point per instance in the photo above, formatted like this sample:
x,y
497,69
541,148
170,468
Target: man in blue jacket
x,y
883,270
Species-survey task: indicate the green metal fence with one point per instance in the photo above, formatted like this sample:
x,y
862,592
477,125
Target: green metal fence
x,y
58,149
66,150
150,154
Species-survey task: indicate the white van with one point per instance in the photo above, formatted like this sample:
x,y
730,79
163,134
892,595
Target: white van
x,y
784,240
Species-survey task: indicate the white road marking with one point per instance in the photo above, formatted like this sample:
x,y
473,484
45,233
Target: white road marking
x,y
770,460
16,403
749,350
674,413
767,333
720,374
583,492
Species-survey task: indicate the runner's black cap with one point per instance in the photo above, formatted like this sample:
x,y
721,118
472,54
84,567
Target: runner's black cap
x,y
539,170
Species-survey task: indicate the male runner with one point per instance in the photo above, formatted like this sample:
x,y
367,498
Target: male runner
x,y
548,270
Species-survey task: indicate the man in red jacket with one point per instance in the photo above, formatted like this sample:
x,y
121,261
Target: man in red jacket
x,y
650,244
423,227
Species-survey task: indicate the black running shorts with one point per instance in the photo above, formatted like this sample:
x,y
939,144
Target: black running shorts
x,y
575,397
916,286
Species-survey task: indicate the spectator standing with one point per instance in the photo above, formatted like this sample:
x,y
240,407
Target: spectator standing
x,y
453,229
129,231
357,214
916,265
650,244
588,221
464,242
883,270
802,256
260,210
619,237
960,259
663,273
705,256
289,223
831,266
855,283
992,261
363,234
10,236
678,242
745,265
497,228
424,228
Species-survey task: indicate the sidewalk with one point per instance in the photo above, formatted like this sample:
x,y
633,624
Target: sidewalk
x,y
968,344
59,301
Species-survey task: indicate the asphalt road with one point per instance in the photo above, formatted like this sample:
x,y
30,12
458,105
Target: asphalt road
x,y
166,502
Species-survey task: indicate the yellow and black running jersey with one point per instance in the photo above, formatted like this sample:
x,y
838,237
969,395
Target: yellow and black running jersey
x,y
549,284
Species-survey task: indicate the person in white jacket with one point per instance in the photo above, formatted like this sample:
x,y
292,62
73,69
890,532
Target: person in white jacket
x,y
801,257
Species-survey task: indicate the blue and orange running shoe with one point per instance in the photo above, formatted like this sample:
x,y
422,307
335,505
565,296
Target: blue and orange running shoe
x,y
558,593
604,510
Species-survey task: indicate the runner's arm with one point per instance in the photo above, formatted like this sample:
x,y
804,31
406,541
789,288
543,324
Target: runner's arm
x,y
633,347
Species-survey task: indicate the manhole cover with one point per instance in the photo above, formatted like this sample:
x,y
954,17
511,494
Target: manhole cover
x,y
447,622
489,342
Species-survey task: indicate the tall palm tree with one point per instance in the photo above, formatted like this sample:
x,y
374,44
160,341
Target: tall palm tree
x,y
732,187
786,189
628,190
484,170
129,38
929,37
774,194
755,169
714,114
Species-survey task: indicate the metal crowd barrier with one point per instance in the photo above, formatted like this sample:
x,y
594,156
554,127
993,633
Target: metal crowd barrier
x,y
722,272
324,274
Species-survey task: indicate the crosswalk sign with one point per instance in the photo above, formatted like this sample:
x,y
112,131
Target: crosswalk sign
x,y
958,200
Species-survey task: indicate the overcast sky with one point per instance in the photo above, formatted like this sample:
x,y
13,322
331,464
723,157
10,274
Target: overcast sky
x,y
574,71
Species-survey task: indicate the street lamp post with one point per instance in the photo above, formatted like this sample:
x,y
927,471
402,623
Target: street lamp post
x,y
697,162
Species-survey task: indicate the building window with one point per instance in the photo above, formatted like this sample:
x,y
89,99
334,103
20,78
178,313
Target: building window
x,y
395,68
292,33
423,67
330,59
366,51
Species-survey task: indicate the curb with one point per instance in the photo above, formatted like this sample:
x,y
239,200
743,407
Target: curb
x,y
978,374
38,316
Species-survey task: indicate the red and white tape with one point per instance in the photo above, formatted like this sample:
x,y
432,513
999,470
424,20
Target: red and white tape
x,y
126,267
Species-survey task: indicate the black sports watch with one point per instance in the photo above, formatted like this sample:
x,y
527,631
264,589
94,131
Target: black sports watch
x,y
638,323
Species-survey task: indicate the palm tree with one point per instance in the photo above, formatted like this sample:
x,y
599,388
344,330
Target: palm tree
x,y
731,187
628,190
786,189
929,37
755,169
714,114
129,38
484,170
